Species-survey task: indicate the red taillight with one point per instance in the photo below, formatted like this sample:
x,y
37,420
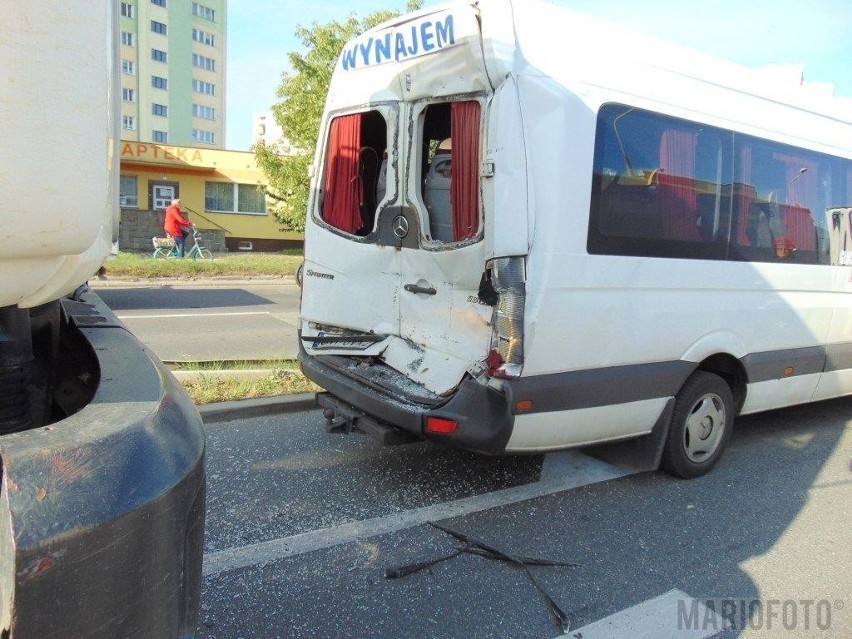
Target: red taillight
x,y
441,426
493,362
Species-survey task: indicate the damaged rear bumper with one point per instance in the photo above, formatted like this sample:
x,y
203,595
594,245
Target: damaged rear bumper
x,y
484,419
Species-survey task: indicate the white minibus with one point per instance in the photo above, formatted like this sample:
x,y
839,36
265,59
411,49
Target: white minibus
x,y
531,230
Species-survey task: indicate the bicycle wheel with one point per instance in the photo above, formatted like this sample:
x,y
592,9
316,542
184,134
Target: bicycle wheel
x,y
198,253
162,252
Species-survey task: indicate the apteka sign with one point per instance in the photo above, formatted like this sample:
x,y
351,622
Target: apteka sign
x,y
410,40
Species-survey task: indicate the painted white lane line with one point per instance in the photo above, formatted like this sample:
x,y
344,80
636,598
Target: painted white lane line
x,y
170,315
673,615
575,470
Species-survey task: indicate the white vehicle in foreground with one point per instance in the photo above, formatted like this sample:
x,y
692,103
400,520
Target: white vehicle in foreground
x,y
102,484
584,235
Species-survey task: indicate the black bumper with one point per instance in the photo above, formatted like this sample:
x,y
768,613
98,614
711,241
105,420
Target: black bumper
x,y
485,421
102,513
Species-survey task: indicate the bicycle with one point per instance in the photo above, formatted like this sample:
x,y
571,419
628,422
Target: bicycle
x,y
165,247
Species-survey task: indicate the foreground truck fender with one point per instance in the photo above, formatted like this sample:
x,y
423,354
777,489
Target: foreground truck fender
x,y
101,513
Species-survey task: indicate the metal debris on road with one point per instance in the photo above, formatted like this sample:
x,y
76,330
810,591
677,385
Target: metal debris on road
x,y
480,549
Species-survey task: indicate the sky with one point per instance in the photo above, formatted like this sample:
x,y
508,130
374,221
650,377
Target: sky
x,y
814,33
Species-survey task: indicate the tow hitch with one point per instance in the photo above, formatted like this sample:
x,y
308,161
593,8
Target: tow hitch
x,y
342,418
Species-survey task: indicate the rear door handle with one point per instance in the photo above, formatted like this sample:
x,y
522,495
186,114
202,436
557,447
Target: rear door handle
x,y
416,288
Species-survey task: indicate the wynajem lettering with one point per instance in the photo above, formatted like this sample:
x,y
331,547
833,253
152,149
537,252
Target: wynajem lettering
x,y
406,42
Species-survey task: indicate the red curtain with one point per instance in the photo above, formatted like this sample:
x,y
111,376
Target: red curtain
x,y
799,226
677,185
464,172
744,195
343,186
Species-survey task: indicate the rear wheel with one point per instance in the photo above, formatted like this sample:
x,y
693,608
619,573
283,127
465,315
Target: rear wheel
x,y
701,425
162,252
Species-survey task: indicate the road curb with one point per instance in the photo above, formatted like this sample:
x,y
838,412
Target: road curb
x,y
242,374
122,281
261,407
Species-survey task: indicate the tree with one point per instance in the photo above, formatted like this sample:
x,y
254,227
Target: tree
x,y
302,93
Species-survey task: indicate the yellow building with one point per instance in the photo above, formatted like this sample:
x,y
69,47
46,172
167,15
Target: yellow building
x,y
223,191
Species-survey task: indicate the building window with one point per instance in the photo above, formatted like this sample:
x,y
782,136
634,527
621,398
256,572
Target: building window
x,y
200,135
203,37
207,88
203,62
158,27
128,67
128,123
203,12
159,56
159,3
159,83
127,39
128,191
205,112
219,196
250,199
128,95
226,197
127,10
160,136
160,109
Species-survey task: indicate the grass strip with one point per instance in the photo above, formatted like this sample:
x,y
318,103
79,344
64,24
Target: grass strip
x,y
209,387
142,265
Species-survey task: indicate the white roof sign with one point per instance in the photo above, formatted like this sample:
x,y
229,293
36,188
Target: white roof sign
x,y
410,40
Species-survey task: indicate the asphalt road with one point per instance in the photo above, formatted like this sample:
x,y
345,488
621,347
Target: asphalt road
x,y
208,320
302,525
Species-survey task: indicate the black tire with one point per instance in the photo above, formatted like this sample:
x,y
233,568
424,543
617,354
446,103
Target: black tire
x,y
701,425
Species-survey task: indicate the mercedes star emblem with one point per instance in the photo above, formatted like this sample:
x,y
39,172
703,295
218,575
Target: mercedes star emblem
x,y
400,226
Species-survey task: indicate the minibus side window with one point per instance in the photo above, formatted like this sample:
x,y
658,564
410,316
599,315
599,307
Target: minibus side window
x,y
779,195
450,169
665,187
838,236
658,186
353,179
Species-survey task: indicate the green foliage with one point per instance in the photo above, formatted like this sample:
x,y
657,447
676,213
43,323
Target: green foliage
x,y
211,386
302,92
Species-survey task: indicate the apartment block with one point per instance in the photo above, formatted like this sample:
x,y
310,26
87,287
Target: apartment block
x,y
173,72
267,131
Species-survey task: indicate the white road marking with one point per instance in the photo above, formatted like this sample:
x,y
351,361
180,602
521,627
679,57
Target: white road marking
x,y
673,615
575,470
123,316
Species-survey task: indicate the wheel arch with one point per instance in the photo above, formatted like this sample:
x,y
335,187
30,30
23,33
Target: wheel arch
x,y
721,353
730,369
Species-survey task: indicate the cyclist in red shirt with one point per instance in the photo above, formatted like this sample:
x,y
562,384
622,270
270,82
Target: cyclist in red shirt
x,y
174,225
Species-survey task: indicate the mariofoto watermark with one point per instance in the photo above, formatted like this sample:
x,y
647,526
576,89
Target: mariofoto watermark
x,y
733,613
